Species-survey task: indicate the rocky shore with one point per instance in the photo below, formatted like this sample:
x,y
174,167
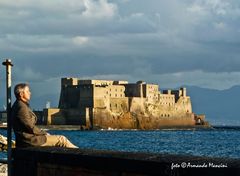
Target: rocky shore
x,y
3,169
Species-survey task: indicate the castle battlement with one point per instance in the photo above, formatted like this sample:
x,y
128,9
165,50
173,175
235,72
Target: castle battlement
x,y
78,93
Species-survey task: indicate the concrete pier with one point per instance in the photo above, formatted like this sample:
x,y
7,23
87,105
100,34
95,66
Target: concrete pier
x,y
51,161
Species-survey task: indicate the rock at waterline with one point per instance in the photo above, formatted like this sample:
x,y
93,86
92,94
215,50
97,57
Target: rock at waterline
x,y
3,143
3,169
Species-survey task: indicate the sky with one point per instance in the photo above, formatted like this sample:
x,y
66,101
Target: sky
x,y
167,42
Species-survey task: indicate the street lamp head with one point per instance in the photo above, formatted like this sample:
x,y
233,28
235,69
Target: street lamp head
x,y
8,62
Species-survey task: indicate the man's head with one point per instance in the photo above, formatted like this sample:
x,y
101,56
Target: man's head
x,y
22,92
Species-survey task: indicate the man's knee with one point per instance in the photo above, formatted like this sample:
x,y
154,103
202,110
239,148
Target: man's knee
x,y
63,140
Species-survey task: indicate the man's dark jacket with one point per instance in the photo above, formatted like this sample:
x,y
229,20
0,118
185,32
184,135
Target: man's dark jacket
x,y
24,120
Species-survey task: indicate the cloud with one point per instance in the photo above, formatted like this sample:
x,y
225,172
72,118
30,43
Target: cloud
x,y
215,7
26,74
169,42
55,17
79,40
99,9
33,43
195,8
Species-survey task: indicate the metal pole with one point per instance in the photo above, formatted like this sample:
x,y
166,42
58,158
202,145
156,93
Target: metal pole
x,y
9,65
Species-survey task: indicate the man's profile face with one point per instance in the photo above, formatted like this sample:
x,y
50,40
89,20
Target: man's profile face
x,y
25,95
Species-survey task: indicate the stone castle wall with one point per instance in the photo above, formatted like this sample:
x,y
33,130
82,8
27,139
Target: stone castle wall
x,y
118,104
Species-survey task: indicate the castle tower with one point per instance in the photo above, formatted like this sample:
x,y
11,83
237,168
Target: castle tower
x,y
184,91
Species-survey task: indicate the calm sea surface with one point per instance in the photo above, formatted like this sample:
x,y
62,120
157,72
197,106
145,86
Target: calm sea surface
x,y
219,142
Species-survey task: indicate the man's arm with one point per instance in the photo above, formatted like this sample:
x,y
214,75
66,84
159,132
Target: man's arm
x,y
28,121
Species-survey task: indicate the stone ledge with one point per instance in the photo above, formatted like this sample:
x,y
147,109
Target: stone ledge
x,y
64,161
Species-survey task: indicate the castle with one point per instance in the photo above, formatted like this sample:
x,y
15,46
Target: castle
x,y
101,104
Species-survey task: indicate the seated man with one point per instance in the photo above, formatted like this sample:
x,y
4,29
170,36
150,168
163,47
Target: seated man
x,y
24,120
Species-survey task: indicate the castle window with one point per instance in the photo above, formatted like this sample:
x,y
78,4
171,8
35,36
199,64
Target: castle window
x,y
116,105
115,95
110,95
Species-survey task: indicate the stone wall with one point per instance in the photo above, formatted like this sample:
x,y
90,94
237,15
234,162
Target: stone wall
x,y
51,114
49,161
55,116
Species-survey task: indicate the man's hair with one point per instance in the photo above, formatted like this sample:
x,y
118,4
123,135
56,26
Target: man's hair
x,y
20,88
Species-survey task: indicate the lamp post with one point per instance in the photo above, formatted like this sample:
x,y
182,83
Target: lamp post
x,y
9,65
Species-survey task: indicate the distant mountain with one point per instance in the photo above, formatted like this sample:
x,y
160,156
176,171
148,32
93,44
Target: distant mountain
x,y
219,106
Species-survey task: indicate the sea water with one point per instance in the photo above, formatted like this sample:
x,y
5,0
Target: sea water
x,y
217,142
